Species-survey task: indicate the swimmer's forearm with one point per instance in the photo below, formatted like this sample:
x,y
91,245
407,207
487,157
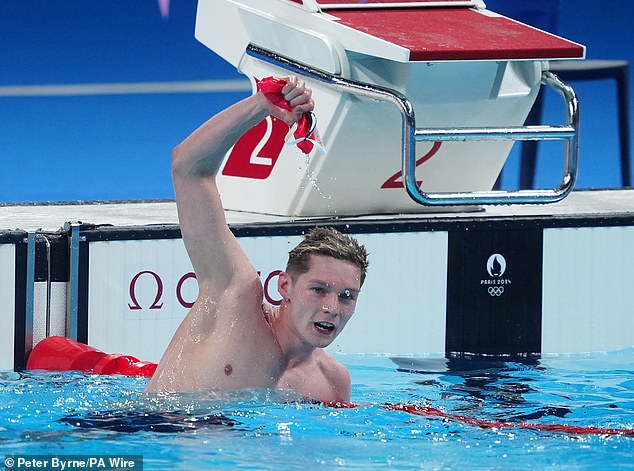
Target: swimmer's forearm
x,y
203,151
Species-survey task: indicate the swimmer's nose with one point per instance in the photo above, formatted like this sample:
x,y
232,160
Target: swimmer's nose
x,y
329,309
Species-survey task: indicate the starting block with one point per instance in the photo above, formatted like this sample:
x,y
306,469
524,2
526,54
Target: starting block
x,y
426,96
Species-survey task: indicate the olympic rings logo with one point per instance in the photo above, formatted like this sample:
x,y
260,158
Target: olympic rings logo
x,y
496,290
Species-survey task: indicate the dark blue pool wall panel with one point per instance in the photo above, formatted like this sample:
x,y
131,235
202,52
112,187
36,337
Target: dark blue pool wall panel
x,y
494,292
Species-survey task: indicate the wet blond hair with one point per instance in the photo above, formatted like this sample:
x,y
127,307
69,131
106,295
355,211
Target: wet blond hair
x,y
330,242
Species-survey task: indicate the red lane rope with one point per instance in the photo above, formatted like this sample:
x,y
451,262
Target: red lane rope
x,y
426,411
62,354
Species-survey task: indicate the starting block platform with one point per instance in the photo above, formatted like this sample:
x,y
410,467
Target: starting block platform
x,y
423,96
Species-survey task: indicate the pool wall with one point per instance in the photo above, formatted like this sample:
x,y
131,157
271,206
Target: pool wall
x,y
454,286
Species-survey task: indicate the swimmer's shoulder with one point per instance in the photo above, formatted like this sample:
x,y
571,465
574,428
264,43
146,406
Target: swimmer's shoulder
x,y
336,374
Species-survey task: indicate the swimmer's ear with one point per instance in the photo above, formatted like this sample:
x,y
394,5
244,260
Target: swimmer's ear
x,y
284,283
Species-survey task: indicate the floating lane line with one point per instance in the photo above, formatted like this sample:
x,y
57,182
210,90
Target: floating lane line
x,y
425,411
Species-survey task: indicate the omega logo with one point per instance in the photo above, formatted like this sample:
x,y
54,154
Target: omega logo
x,y
159,290
156,304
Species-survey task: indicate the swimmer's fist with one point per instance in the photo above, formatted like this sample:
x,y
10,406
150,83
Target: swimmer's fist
x,y
298,96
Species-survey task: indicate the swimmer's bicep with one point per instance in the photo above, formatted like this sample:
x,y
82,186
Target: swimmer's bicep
x,y
216,255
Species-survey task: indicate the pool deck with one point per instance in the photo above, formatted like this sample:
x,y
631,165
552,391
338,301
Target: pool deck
x,y
50,217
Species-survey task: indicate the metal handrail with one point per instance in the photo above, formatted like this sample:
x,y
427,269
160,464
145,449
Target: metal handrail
x,y
568,132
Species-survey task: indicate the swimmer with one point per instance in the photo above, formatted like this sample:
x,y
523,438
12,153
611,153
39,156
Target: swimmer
x,y
231,338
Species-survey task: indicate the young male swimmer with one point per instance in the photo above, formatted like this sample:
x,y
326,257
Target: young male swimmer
x,y
231,338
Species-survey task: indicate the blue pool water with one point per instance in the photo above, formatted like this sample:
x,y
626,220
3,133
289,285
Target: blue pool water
x,y
77,414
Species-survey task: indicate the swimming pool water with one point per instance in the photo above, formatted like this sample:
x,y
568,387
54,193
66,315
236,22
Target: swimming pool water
x,y
77,414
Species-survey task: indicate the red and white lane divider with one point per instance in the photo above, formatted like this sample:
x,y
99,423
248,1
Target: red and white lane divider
x,y
62,354
426,411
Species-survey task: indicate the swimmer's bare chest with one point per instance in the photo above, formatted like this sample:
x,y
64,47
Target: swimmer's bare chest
x,y
239,363
258,363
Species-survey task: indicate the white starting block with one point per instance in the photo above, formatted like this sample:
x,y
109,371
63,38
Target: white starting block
x,y
423,95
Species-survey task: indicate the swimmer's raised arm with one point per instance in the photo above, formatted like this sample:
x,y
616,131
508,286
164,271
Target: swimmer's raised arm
x,y
225,340
214,252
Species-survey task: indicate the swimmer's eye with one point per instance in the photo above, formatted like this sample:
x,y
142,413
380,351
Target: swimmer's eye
x,y
347,295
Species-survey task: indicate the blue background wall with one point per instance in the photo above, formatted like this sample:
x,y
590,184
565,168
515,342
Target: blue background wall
x,y
117,146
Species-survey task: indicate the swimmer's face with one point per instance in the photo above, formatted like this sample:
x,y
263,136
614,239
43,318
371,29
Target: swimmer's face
x,y
323,299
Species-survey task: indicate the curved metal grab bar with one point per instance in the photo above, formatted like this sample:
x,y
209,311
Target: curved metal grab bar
x,y
410,135
568,132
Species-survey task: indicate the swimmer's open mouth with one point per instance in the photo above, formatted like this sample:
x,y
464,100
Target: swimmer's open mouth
x,y
325,327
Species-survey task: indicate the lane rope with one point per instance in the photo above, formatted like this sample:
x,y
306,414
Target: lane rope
x,y
63,354
426,411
